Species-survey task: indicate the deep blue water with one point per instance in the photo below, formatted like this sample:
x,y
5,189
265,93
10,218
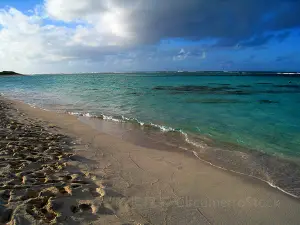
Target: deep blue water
x,y
259,113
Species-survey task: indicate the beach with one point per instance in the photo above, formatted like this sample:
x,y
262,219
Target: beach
x,y
57,169
149,112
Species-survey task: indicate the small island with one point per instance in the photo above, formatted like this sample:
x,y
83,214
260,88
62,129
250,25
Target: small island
x,y
9,73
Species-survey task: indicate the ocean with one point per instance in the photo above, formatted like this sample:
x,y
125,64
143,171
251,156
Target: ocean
x,y
248,123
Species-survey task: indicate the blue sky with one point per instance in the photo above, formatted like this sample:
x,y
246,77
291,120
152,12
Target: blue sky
x,y
51,36
20,4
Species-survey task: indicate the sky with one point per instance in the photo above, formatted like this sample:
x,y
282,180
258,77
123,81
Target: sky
x,y
68,36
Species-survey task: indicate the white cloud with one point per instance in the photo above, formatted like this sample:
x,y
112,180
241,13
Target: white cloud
x,y
105,19
25,40
182,55
38,39
70,10
28,42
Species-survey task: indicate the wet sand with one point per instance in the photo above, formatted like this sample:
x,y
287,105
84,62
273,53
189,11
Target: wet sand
x,y
56,169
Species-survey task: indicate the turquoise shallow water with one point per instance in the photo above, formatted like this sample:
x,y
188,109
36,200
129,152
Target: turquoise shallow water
x,y
259,113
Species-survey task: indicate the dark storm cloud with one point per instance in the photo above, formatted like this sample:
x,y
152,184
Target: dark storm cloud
x,y
228,21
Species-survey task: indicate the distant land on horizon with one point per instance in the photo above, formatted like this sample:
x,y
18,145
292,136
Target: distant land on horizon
x,y
9,73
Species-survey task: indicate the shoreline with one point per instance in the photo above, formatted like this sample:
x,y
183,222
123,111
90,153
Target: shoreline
x,y
152,186
135,133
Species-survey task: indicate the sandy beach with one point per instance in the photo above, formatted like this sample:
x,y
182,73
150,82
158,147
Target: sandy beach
x,y
58,170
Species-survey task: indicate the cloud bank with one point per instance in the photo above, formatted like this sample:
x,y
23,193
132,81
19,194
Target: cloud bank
x,y
65,35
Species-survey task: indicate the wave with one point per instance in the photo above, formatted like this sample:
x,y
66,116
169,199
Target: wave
x,y
249,163
248,175
161,128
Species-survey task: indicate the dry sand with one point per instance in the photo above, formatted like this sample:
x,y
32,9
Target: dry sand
x,y
87,177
